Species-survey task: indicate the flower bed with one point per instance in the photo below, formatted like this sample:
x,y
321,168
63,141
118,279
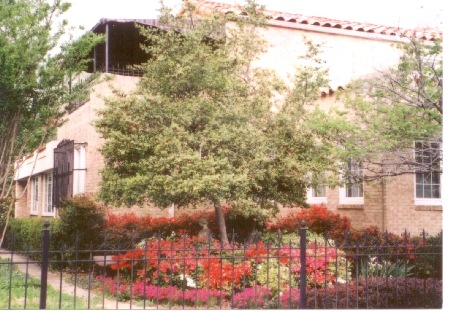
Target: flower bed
x,y
191,270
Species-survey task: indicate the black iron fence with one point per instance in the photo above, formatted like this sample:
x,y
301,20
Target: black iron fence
x,y
296,271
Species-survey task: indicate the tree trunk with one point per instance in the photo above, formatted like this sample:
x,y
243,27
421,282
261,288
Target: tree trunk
x,y
221,222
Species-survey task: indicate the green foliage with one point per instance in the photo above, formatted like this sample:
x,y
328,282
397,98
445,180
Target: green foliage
x,y
26,234
81,221
274,275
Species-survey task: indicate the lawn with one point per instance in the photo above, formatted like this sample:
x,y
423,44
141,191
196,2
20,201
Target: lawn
x,y
17,292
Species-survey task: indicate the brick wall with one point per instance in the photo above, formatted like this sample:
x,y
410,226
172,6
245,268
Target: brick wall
x,y
79,125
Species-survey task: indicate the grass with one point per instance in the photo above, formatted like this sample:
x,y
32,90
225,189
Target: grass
x,y
17,292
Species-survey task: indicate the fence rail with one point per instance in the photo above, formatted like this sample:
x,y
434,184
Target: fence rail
x,y
187,272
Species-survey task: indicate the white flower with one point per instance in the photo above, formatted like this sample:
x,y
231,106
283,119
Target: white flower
x,y
189,281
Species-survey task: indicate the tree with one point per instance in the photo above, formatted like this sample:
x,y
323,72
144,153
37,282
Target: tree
x,y
34,84
397,114
201,128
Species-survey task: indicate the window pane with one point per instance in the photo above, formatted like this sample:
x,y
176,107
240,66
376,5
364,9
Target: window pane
x,y
419,190
436,178
427,191
436,191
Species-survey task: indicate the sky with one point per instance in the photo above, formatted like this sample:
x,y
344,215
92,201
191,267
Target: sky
x,y
397,13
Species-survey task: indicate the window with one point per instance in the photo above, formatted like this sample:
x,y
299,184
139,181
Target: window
x,y
428,176
48,193
317,194
319,191
353,191
79,170
35,196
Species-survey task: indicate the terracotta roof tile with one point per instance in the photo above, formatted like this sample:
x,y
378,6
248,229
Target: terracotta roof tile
x,y
207,7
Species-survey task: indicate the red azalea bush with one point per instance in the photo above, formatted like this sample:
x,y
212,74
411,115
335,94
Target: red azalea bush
x,y
126,230
318,219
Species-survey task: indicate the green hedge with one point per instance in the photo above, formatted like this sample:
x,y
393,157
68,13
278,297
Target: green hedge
x,y
26,234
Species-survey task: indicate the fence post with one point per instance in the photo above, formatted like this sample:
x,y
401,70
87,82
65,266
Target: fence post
x,y
303,265
44,266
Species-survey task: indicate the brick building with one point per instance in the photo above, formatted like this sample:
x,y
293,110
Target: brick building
x,y
350,49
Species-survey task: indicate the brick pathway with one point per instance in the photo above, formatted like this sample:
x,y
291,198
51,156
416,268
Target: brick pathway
x,y
54,280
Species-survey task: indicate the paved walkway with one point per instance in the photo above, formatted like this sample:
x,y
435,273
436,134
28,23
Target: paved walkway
x,y
54,280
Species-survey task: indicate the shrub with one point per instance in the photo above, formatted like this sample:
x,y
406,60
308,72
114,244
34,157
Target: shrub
x,y
419,256
427,256
79,227
379,293
318,219
83,219
124,231
26,234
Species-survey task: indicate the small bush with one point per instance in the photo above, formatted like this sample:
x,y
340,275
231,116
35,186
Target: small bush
x,y
83,219
80,227
318,220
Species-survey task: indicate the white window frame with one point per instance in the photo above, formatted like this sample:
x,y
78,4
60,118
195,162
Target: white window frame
x,y
312,194
344,199
312,198
79,170
424,201
48,209
34,209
